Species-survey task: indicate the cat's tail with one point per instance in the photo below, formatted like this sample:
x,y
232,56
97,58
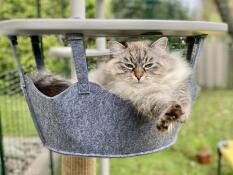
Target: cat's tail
x,y
50,84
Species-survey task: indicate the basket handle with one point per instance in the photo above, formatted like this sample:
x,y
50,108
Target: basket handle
x,y
79,56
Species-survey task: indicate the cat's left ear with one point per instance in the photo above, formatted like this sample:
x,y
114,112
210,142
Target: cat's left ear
x,y
115,46
160,43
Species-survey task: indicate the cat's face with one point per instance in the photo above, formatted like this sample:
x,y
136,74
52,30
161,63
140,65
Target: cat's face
x,y
140,62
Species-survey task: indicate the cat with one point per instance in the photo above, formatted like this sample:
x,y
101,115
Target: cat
x,y
144,72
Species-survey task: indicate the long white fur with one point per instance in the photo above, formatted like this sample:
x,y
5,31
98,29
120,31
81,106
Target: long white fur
x,y
156,91
162,92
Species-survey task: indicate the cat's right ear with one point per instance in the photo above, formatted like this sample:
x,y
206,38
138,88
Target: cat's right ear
x,y
160,43
115,47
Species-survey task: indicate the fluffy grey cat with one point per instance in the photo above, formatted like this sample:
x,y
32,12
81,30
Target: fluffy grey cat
x,y
146,73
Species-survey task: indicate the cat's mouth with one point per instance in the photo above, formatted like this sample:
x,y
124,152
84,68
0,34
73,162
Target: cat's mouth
x,y
138,83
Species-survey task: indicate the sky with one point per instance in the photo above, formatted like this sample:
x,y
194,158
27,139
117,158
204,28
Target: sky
x,y
191,4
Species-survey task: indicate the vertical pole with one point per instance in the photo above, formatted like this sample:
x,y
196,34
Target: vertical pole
x,y
77,10
40,61
99,11
38,52
101,45
51,163
219,162
78,165
105,168
2,157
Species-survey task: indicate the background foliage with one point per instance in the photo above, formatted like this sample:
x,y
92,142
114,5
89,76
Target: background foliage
x,y
11,9
148,9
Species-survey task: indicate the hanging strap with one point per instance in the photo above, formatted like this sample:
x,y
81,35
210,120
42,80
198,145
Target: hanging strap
x,y
192,41
79,56
199,41
36,42
13,43
195,44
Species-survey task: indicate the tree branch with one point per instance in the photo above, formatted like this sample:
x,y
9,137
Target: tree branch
x,y
226,14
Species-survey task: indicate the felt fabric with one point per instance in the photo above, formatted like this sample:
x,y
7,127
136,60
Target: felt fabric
x,y
87,120
97,124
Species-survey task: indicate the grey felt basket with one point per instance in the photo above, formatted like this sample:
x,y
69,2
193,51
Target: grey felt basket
x,y
87,120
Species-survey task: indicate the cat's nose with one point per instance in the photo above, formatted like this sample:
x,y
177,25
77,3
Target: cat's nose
x,y
138,72
139,77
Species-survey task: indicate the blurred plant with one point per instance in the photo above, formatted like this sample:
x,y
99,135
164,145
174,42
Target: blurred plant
x,y
158,9
203,151
201,144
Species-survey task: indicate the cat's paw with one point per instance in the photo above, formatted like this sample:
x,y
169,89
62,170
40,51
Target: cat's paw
x,y
163,125
173,113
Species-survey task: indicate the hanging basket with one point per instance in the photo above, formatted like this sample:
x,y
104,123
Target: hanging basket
x,y
87,120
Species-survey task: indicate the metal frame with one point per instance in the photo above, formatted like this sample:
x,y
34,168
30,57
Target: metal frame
x,y
37,48
193,53
2,157
220,145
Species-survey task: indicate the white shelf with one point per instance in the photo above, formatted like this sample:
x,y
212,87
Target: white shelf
x,y
108,27
66,52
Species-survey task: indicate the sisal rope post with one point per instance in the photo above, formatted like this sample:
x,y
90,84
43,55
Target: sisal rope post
x,y
78,165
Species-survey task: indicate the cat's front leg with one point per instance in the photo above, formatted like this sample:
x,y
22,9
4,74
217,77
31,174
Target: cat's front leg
x,y
177,111
173,113
184,99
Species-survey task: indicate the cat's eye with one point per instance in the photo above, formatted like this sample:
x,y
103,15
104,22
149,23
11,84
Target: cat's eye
x,y
130,66
148,66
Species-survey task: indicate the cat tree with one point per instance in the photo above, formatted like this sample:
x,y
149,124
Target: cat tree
x,y
61,135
